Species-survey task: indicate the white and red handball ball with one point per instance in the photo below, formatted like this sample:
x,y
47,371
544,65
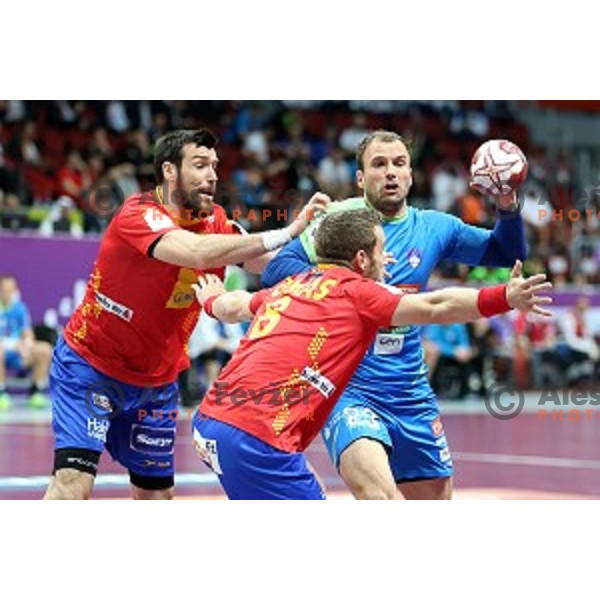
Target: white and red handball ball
x,y
498,168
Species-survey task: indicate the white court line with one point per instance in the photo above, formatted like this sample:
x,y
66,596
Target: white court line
x,y
102,481
530,460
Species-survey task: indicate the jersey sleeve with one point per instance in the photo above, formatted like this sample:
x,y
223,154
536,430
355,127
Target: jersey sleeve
x,y
24,318
257,300
375,302
462,243
142,224
290,260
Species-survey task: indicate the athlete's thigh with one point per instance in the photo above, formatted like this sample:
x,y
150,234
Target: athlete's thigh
x,y
365,468
420,449
250,469
352,419
80,414
142,436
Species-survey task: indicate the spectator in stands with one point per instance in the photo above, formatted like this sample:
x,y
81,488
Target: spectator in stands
x,y
211,345
7,176
449,354
449,182
19,350
74,177
100,144
334,176
13,216
536,338
62,218
577,347
352,136
24,147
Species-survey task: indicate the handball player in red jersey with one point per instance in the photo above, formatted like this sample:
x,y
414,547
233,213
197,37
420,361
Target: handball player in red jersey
x,y
308,336
126,343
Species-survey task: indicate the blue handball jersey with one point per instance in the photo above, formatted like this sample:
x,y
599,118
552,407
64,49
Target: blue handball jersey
x,y
393,370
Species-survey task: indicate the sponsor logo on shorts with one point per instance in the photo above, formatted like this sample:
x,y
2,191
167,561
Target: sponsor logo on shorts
x,y
152,440
102,401
157,463
97,429
441,441
437,427
361,417
445,455
207,451
109,305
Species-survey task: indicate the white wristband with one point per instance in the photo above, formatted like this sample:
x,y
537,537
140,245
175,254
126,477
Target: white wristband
x,y
276,239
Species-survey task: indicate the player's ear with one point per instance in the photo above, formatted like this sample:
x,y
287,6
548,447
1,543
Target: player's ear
x,y
169,171
359,263
410,179
360,180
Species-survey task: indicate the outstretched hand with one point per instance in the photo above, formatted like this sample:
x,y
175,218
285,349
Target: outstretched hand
x,y
208,285
318,203
526,294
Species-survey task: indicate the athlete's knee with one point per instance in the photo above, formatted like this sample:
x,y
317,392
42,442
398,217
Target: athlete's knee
x,y
42,350
144,487
70,484
373,490
141,494
427,489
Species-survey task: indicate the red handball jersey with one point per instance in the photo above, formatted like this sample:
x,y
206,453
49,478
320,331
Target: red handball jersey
x,y
138,312
308,337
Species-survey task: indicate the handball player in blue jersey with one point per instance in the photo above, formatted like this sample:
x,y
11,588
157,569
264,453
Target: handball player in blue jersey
x,y
385,435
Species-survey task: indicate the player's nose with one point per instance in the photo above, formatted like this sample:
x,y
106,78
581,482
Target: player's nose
x,y
212,175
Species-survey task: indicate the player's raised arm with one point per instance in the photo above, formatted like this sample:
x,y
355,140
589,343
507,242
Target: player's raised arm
x,y
228,307
459,305
209,251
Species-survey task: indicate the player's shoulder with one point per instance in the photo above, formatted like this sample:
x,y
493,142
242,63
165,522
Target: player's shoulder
x,y
18,307
354,203
223,224
140,203
430,215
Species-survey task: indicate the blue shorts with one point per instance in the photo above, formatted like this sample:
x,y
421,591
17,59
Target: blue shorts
x,y
250,469
91,411
415,440
13,361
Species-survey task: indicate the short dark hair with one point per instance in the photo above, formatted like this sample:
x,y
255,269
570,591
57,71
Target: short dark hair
x,y
342,234
380,135
169,148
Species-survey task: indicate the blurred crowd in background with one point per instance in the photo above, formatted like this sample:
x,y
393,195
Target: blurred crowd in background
x,y
65,166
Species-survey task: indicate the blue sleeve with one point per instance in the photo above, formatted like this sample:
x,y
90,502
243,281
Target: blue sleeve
x,y
23,318
497,248
290,260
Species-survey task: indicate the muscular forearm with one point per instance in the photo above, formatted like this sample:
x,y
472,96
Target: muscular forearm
x,y
232,307
213,251
450,305
210,251
453,305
